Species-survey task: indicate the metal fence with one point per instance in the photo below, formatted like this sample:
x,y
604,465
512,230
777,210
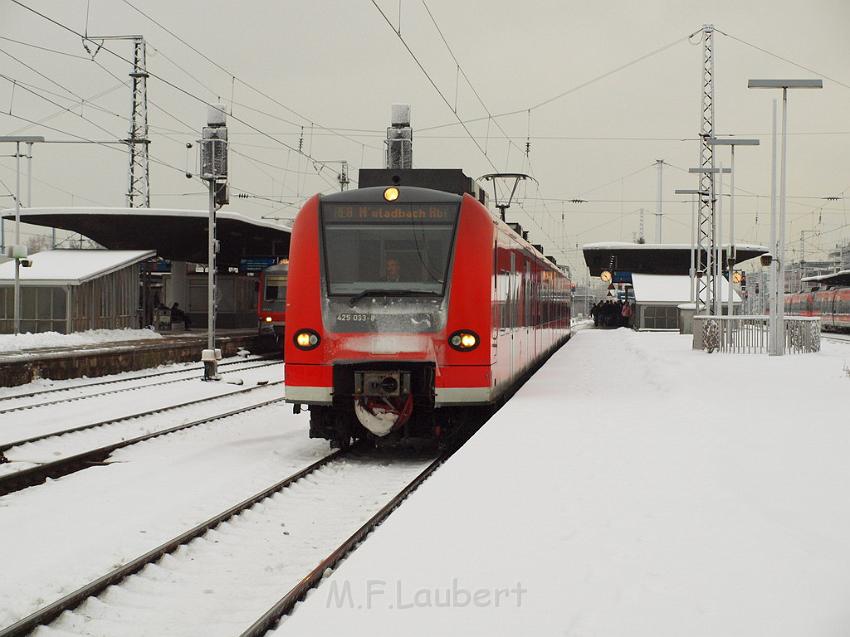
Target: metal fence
x,y
748,334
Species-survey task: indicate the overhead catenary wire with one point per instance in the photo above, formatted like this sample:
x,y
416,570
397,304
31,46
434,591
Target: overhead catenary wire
x,y
232,75
165,81
570,90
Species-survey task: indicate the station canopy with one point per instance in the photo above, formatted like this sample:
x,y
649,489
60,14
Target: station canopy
x,y
177,235
652,258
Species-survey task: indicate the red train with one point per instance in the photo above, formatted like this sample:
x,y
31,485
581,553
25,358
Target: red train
x,y
406,307
271,301
832,306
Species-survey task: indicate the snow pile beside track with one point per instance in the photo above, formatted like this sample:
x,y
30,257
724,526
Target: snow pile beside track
x,y
19,342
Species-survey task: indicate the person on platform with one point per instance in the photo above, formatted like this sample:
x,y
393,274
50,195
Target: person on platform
x,y
179,316
595,313
626,314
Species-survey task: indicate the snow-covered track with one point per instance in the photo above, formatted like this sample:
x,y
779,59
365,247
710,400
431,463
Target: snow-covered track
x,y
32,476
143,385
287,603
47,614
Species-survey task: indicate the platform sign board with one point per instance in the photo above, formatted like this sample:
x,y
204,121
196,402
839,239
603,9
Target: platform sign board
x,y
256,264
622,277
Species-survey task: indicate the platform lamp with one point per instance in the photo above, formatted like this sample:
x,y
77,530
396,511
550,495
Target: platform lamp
x,y
213,145
732,255
17,251
777,312
692,270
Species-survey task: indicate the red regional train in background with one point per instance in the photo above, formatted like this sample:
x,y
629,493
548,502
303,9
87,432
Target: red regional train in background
x,y
832,306
271,300
407,306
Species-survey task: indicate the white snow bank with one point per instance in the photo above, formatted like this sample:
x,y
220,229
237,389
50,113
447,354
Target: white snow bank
x,y
632,487
18,342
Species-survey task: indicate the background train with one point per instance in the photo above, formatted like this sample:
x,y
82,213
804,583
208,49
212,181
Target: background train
x,y
408,306
271,300
832,306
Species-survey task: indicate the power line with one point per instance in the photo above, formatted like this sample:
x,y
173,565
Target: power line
x,y
433,83
233,76
572,89
784,59
44,48
158,77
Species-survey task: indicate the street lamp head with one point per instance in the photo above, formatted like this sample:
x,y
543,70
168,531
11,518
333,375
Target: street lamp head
x,y
731,141
713,171
785,84
22,139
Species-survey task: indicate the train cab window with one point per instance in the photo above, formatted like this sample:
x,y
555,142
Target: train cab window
x,y
274,294
388,248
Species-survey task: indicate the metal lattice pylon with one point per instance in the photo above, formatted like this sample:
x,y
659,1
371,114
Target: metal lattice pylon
x,y
706,286
138,191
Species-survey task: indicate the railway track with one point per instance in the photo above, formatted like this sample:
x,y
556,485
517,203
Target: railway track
x,y
142,380
34,475
838,338
229,572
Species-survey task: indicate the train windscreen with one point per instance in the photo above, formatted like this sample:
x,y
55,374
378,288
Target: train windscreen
x,y
390,249
274,295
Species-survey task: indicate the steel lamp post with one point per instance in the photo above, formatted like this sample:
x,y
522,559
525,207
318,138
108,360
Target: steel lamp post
x,y
17,251
777,312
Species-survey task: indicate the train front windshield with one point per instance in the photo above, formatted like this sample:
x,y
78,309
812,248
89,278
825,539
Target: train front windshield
x,y
388,248
274,295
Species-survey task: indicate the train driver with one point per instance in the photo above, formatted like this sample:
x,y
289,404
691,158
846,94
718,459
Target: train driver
x,y
392,270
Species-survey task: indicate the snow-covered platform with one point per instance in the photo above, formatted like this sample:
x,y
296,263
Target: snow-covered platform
x,y
632,487
26,357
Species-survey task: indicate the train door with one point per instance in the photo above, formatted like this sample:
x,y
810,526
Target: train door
x,y
514,296
529,314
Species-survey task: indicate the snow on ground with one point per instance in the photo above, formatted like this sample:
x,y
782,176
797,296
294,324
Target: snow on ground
x,y
63,534
632,487
64,415
18,342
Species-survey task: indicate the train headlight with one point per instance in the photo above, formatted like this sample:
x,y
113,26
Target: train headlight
x,y
464,340
391,193
268,319
306,339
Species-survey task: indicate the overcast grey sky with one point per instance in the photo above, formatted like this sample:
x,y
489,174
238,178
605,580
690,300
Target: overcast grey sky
x,y
335,67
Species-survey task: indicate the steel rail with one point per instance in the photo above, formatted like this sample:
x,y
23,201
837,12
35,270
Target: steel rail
x,y
141,414
32,476
129,379
118,391
285,605
72,600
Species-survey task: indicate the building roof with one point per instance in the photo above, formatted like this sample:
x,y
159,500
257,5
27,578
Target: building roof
x,y
651,258
664,289
71,267
840,279
180,235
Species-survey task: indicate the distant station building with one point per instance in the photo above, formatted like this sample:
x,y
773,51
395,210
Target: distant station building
x,y
656,278
74,290
175,271
658,299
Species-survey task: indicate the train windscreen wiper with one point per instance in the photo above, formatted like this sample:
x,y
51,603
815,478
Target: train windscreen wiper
x,y
385,292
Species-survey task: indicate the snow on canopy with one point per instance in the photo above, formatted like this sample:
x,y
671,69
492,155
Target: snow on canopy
x,y
71,267
670,289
